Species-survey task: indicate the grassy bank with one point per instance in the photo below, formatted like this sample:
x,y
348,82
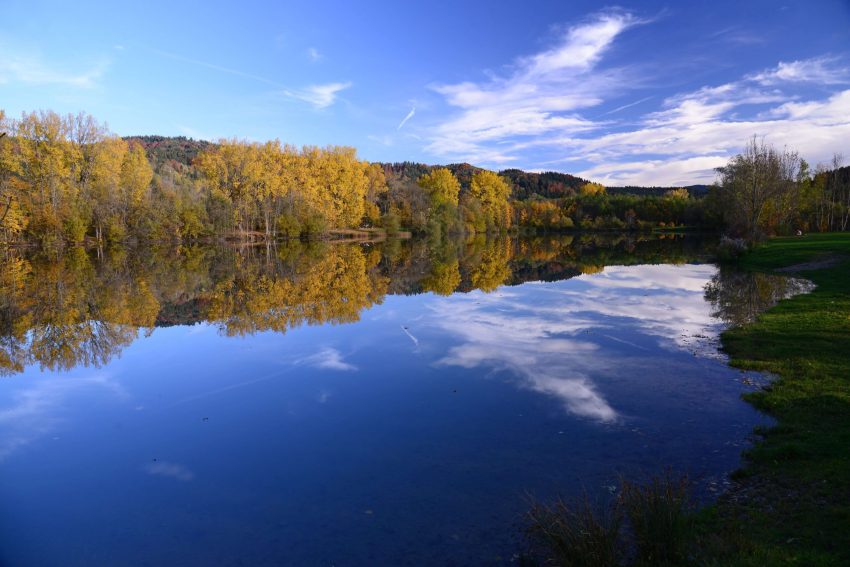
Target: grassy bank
x,y
792,503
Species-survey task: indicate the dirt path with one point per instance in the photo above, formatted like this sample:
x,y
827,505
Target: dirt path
x,y
819,264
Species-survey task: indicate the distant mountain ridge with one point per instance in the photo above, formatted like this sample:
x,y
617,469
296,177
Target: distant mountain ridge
x,y
546,185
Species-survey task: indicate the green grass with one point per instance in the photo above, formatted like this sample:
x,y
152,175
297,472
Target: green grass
x,y
793,503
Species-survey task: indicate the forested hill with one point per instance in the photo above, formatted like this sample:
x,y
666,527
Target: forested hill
x,y
163,150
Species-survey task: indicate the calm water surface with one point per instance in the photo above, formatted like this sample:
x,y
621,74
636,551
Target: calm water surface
x,y
383,404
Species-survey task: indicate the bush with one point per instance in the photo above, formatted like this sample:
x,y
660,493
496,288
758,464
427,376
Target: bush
x,y
289,226
314,224
731,249
75,229
391,223
115,230
191,224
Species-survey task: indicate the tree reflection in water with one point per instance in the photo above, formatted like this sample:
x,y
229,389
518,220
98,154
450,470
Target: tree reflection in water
x,y
738,297
82,307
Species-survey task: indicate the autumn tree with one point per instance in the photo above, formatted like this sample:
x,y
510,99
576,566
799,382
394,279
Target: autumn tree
x,y
443,189
441,186
376,189
493,192
592,188
680,193
757,188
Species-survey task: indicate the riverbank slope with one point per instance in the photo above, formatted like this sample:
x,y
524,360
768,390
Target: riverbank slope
x,y
791,505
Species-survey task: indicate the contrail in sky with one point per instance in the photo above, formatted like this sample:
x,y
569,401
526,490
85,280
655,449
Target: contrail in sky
x,y
406,118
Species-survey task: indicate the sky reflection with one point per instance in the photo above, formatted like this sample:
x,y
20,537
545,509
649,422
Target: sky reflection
x,y
407,430
551,338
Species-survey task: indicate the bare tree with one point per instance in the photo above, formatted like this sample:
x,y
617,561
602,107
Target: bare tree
x,y
840,192
757,188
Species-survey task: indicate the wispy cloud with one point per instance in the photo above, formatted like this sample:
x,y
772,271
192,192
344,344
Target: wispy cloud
x,y
406,118
696,132
313,55
384,140
32,70
215,67
37,410
737,34
540,95
538,113
319,96
629,105
548,337
328,359
820,70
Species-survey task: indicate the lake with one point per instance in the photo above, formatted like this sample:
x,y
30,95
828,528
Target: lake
x,y
390,403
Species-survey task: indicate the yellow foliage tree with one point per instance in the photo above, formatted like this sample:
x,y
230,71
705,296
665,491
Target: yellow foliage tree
x,y
441,186
493,192
681,194
591,188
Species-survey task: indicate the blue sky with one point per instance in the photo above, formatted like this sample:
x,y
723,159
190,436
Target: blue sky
x,y
634,93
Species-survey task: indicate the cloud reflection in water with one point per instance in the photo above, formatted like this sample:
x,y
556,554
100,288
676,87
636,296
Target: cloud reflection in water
x,y
543,333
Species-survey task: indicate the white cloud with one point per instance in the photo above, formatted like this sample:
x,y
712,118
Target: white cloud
x,y
821,70
682,145
539,96
328,359
542,353
547,337
313,55
193,133
537,115
383,140
320,96
655,172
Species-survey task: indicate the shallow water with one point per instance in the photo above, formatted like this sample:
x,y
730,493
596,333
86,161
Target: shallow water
x,y
356,404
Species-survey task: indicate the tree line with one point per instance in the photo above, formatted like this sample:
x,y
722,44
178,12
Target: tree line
x,y
765,191
68,180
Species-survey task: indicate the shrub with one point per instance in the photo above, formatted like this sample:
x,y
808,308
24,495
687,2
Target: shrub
x,y
115,229
289,226
731,249
75,229
314,224
391,223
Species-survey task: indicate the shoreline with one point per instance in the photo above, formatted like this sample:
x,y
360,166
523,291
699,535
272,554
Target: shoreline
x,y
790,501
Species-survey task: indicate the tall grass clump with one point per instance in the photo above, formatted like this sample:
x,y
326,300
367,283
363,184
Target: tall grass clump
x,y
660,519
645,524
576,533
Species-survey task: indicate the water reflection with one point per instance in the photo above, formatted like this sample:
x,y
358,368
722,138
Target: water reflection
x,y
738,297
368,404
554,338
79,308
